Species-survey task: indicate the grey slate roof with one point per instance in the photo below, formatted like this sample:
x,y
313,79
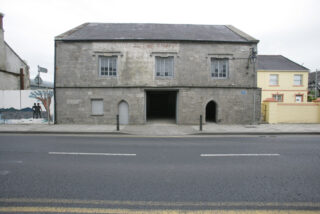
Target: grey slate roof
x,y
278,62
155,32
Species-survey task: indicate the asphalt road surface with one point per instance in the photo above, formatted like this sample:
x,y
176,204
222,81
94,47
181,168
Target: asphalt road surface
x,y
124,174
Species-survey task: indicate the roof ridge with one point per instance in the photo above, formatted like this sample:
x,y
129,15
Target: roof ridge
x,y
241,33
295,63
69,32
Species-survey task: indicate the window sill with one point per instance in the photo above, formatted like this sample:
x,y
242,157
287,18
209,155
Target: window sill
x,y
97,115
165,77
297,85
274,85
219,78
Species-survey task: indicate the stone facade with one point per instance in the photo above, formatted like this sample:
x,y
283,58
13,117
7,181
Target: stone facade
x,y
77,80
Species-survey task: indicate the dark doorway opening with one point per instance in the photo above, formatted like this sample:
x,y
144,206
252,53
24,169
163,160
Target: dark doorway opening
x,y
211,112
161,105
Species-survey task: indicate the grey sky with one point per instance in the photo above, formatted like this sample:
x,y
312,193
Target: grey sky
x,y
287,27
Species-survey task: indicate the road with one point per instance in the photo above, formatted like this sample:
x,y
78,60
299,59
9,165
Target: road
x,y
124,174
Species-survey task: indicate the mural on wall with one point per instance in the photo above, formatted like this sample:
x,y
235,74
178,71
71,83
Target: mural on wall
x,y
26,106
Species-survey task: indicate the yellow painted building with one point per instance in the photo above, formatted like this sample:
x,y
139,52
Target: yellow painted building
x,y
284,91
282,79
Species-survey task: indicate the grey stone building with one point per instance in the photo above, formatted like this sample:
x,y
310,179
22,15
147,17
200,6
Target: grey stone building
x,y
14,71
152,71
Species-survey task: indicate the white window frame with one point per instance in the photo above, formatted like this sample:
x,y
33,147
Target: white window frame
x,y
94,111
274,82
297,82
299,95
218,71
163,67
110,63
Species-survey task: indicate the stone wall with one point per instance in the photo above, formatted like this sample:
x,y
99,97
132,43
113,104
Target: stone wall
x,y
78,81
77,64
234,106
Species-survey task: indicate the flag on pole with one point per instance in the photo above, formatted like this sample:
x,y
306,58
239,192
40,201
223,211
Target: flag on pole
x,y
42,70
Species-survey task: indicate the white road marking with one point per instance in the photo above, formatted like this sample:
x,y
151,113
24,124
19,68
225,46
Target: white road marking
x,y
83,153
236,155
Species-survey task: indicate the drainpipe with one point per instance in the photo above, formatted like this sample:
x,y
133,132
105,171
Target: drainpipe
x,y
316,85
253,59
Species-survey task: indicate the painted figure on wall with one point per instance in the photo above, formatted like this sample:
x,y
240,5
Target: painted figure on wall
x,y
39,110
34,111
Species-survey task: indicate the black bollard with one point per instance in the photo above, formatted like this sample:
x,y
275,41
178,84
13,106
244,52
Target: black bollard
x,y
200,122
118,127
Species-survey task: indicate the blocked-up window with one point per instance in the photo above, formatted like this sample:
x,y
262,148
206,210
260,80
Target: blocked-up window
x,y
108,66
219,68
97,107
273,79
297,79
164,66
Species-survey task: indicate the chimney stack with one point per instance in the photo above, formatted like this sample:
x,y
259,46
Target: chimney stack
x,y
1,20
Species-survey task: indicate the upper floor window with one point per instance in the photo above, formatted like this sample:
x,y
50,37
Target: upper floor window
x,y
164,66
297,79
108,66
274,79
219,68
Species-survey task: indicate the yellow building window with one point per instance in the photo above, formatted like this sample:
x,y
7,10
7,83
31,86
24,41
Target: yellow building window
x,y
278,97
297,80
274,79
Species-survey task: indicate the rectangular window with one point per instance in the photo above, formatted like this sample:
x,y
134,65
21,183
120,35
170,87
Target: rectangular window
x,y
274,79
297,79
278,97
219,68
164,66
299,98
97,107
108,66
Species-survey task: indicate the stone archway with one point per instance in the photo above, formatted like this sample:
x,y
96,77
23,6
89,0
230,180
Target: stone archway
x,y
211,111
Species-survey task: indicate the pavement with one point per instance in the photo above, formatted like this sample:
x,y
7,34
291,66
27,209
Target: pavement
x,y
163,129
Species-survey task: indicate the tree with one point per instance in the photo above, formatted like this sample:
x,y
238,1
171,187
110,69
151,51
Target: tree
x,y
45,97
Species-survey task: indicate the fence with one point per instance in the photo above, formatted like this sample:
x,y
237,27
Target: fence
x,y
26,106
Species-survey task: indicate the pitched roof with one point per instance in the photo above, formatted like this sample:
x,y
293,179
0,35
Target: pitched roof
x,y
278,62
155,32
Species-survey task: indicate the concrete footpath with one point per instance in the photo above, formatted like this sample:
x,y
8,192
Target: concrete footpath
x,y
164,129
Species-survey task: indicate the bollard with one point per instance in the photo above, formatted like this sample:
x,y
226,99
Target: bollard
x,y
118,128
200,122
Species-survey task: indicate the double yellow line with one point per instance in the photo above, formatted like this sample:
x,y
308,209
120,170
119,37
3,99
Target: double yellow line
x,y
177,207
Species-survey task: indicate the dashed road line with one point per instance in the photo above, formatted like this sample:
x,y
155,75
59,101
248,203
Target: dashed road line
x,y
236,155
85,153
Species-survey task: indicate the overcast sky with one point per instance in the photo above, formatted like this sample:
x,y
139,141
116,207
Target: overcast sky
x,y
287,27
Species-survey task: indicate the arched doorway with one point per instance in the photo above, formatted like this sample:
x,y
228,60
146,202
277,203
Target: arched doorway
x,y
211,112
123,113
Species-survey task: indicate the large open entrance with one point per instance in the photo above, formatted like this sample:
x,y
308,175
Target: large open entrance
x,y
211,112
161,106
